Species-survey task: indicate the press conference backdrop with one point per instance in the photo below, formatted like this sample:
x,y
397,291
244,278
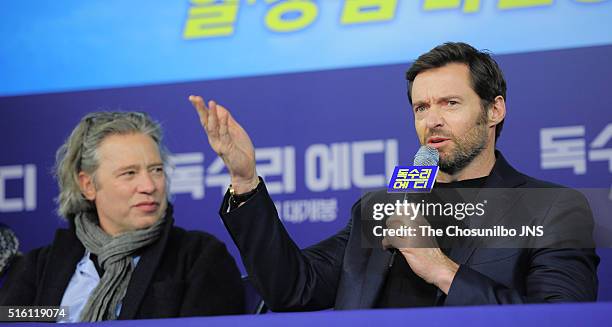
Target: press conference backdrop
x,y
319,86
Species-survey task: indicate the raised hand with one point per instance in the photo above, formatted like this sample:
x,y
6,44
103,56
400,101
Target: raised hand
x,y
230,141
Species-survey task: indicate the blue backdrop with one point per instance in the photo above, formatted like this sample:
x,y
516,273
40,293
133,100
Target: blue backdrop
x,y
325,125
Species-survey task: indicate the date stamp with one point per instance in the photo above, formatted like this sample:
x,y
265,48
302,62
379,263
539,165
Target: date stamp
x,y
33,313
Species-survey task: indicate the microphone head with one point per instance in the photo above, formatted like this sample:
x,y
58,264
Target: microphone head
x,y
9,245
426,156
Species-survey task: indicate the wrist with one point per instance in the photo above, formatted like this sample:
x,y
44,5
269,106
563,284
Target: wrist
x,y
239,197
446,276
241,186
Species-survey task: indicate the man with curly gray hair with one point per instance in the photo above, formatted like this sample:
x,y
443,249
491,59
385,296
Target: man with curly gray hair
x,y
122,257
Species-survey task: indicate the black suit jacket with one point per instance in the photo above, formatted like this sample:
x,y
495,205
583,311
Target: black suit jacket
x,y
184,273
338,272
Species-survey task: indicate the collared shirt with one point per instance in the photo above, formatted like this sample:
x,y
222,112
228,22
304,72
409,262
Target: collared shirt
x,y
82,283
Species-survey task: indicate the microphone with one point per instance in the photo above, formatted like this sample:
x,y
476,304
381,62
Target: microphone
x,y
426,156
9,244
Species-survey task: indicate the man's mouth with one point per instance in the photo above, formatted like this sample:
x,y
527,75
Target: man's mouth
x,y
437,142
147,206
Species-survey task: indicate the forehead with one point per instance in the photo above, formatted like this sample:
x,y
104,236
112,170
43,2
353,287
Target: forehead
x,y
450,79
129,149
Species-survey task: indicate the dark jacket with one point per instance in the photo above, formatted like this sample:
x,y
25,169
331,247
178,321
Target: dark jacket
x,y
340,273
184,273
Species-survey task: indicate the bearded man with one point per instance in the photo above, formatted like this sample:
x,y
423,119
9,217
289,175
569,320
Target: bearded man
x,y
458,98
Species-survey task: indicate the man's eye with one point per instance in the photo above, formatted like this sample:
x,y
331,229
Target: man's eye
x,y
158,170
419,108
453,103
129,173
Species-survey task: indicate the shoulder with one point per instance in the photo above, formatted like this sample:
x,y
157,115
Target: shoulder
x,y
553,191
195,242
532,182
35,259
513,178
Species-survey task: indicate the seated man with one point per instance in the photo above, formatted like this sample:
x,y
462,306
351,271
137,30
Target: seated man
x,y
122,257
458,98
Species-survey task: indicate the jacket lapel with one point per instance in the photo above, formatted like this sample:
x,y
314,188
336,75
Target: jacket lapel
x,y
499,201
376,272
495,192
378,261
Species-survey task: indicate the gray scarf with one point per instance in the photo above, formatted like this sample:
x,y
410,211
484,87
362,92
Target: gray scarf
x,y
115,257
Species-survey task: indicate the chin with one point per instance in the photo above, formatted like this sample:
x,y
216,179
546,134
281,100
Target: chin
x,y
146,221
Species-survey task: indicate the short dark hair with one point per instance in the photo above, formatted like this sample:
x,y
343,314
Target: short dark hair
x,y
486,78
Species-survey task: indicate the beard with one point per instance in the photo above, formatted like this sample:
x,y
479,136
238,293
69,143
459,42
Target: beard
x,y
467,147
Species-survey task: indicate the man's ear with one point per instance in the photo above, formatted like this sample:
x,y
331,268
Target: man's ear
x,y
87,186
497,112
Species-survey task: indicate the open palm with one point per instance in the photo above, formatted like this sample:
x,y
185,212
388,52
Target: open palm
x,y
230,141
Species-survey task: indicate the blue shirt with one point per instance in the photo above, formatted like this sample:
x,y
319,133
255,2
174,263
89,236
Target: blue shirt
x,y
82,283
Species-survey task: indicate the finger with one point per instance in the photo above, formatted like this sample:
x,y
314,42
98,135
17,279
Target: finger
x,y
395,221
213,120
223,115
198,104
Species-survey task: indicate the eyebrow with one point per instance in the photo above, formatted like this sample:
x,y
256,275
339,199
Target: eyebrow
x,y
418,103
442,99
449,97
135,167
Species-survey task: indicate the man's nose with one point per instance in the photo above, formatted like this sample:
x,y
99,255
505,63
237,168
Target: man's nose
x,y
434,118
146,184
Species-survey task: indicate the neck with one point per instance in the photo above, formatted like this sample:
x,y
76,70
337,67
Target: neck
x,y
107,227
481,166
